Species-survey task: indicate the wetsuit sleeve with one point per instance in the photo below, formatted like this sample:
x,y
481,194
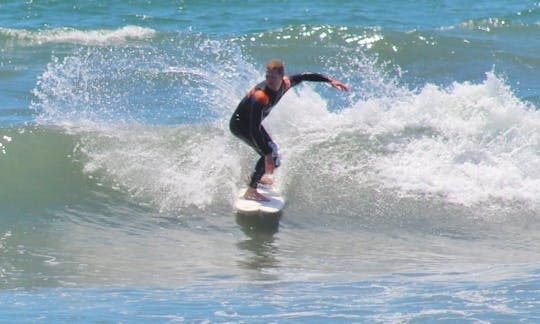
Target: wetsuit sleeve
x,y
308,76
258,101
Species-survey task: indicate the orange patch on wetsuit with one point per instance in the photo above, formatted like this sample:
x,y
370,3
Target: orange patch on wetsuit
x,y
259,96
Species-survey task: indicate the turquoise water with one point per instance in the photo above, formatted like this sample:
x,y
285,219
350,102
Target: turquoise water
x,y
408,300
413,198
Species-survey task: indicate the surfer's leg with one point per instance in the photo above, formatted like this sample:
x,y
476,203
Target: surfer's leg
x,y
263,179
258,173
251,192
273,146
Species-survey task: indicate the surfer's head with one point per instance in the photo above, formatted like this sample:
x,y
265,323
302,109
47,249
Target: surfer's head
x,y
274,74
276,65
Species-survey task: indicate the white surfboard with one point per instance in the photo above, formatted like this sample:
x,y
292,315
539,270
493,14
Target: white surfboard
x,y
274,206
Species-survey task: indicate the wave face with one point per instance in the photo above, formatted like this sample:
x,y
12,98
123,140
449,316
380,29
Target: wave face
x,y
463,143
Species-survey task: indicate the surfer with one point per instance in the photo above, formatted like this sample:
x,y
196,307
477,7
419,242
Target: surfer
x,y
246,121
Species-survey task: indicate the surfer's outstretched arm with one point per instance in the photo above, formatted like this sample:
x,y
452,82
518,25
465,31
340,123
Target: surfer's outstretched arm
x,y
317,77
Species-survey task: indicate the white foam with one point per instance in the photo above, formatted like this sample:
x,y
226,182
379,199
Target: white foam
x,y
481,144
77,36
170,167
466,143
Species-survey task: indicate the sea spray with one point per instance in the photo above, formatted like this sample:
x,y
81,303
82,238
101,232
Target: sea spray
x,y
101,96
4,140
168,83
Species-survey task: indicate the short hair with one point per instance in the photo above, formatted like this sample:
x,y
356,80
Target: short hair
x,y
277,65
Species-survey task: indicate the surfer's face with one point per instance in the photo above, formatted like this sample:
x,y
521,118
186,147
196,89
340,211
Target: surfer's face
x,y
273,79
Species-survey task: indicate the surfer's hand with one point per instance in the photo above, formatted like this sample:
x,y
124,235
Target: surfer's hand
x,y
338,85
268,164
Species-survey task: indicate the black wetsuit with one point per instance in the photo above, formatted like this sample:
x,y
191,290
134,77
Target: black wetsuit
x,y
246,122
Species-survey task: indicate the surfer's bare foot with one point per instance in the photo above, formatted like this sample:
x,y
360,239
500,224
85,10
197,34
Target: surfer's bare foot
x,y
267,181
252,194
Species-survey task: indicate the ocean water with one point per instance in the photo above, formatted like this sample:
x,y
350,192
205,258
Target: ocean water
x,y
413,198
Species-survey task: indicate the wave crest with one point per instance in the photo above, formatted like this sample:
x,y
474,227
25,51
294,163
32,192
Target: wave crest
x,y
23,37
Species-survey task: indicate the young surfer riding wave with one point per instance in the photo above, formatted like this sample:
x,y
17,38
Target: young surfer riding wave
x,y
246,121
